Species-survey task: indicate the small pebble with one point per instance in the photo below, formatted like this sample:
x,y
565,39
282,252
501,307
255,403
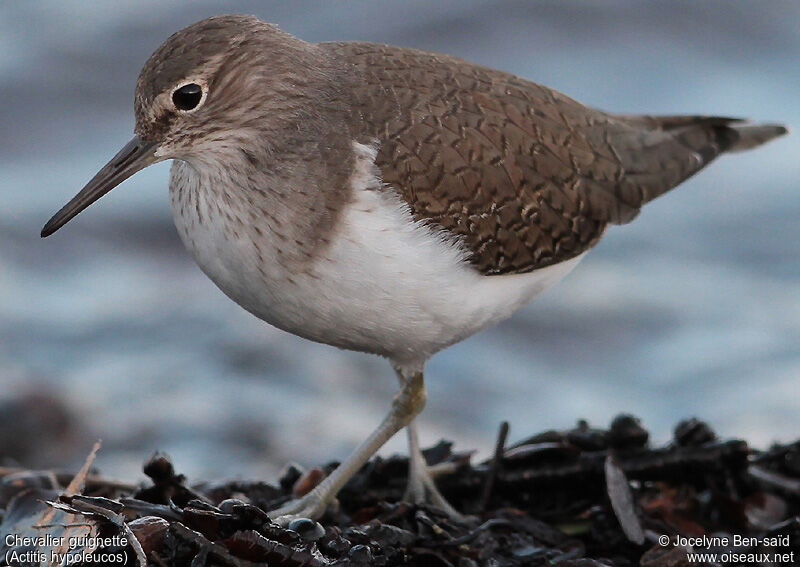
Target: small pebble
x,y
307,529
159,468
230,505
336,546
693,432
626,432
360,554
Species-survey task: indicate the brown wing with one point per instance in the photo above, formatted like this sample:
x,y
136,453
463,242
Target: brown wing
x,y
526,176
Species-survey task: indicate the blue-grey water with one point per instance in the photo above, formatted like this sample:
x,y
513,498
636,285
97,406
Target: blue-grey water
x,y
694,309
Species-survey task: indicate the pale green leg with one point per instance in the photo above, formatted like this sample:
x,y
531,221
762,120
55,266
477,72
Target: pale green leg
x,y
407,404
421,488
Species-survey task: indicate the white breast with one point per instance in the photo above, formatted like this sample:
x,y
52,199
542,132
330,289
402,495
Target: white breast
x,y
386,284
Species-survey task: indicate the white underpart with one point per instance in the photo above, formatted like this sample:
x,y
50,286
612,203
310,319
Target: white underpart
x,y
386,284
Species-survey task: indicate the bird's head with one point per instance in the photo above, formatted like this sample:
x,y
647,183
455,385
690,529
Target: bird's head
x,y
216,91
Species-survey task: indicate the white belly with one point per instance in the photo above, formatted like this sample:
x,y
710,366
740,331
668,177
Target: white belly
x,y
385,284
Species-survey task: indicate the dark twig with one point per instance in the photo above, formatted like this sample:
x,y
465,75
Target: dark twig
x,y
775,480
149,509
92,481
487,525
207,548
495,465
675,463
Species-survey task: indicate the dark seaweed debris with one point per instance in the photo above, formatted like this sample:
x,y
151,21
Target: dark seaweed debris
x,y
578,498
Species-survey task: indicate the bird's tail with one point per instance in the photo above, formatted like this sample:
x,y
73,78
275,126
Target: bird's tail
x,y
670,149
746,136
714,134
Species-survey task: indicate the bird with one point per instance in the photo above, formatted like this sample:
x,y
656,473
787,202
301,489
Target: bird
x,y
385,199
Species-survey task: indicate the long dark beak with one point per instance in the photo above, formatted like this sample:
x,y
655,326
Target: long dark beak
x,y
135,156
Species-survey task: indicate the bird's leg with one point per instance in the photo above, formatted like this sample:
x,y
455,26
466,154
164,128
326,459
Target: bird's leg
x,y
417,468
407,403
421,488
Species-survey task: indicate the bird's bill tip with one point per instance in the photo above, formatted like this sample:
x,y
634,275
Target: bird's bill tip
x,y
134,156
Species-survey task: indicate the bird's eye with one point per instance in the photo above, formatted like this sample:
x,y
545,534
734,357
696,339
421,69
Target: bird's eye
x,y
188,96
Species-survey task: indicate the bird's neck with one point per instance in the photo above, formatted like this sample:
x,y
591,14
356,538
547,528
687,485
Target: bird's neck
x,y
287,195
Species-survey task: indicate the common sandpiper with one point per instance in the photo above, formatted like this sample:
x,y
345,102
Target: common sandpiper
x,y
384,199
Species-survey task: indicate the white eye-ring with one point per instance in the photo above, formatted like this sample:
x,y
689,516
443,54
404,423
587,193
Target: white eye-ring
x,y
188,96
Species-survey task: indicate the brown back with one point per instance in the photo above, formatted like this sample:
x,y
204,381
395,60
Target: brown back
x,y
525,175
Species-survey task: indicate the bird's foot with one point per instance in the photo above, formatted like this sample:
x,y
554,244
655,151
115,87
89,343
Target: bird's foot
x,y
421,489
408,402
312,506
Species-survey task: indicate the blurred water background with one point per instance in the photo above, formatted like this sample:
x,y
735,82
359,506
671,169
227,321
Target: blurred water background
x,y
694,309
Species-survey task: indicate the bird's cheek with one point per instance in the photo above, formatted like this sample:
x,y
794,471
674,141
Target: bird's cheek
x,y
177,147
165,151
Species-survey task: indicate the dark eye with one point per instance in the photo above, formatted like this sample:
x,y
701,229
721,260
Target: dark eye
x,y
188,96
